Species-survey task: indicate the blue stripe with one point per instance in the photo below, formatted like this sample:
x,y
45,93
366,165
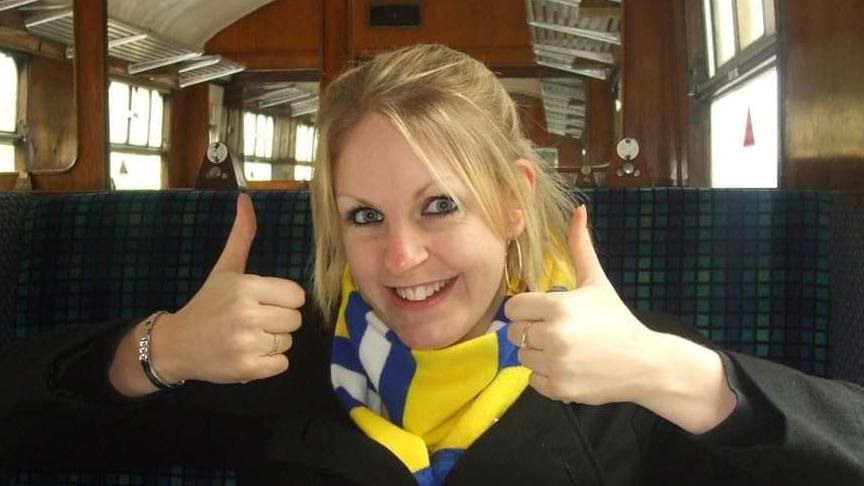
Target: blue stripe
x,y
355,319
508,354
347,400
442,462
345,356
396,378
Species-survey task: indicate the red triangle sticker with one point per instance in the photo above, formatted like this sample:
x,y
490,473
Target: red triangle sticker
x,y
749,139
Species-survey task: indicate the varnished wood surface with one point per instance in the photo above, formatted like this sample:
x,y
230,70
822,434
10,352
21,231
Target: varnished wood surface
x,y
822,77
90,172
599,138
336,39
285,34
493,31
653,69
190,119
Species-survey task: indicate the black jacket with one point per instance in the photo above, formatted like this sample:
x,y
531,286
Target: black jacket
x,y
57,413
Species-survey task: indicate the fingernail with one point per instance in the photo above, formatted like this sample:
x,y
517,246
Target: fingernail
x,y
556,288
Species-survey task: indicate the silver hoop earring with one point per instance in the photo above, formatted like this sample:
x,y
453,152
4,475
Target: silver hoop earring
x,y
510,287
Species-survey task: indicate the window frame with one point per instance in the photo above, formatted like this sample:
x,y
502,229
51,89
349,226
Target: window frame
x,y
135,149
16,137
745,64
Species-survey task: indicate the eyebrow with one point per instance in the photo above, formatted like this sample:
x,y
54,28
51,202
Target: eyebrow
x,y
417,193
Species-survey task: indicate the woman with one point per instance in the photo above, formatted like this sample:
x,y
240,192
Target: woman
x,y
473,337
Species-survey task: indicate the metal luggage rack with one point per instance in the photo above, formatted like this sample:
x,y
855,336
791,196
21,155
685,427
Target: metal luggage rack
x,y
578,37
145,51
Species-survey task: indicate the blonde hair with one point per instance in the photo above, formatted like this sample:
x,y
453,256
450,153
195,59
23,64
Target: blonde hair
x,y
441,98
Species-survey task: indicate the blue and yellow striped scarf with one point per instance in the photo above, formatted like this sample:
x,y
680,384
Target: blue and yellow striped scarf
x,y
438,401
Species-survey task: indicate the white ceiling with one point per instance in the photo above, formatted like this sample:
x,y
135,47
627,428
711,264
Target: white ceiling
x,y
189,22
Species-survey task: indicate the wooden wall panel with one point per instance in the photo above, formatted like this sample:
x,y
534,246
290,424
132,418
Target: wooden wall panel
x,y
51,115
189,134
285,34
599,135
336,48
493,31
90,171
534,122
653,67
822,77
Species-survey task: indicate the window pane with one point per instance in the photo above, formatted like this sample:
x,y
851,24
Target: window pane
x,y
770,19
260,136
258,171
135,171
751,22
744,136
7,158
156,107
248,134
8,94
302,173
118,107
724,30
140,121
304,143
709,38
268,138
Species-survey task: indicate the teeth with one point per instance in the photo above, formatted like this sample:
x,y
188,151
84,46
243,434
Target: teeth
x,y
420,292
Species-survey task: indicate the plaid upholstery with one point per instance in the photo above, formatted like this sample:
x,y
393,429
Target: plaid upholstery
x,y
749,268
95,257
847,290
12,210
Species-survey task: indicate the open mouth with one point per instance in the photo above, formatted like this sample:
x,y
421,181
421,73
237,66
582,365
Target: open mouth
x,y
420,293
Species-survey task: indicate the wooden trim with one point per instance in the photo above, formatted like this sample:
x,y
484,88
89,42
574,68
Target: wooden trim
x,y
91,170
336,35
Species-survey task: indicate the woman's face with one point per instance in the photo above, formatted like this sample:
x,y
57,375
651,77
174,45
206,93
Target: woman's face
x,y
432,271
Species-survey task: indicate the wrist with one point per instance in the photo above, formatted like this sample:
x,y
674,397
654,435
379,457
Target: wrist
x,y
165,363
688,385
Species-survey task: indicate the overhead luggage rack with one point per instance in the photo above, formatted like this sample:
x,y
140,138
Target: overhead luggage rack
x,y
577,37
145,51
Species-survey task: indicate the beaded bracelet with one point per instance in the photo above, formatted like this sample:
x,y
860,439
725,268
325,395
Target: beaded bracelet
x,y
144,355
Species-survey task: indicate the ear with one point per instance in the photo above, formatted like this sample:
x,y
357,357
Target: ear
x,y
516,216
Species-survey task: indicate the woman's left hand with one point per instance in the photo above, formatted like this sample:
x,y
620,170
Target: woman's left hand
x,y
585,346
582,345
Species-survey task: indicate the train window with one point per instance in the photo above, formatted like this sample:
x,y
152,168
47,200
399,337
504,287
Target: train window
x,y
744,135
136,118
8,112
258,141
305,138
741,88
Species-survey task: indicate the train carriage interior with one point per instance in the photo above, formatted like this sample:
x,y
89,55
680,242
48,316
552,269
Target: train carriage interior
x,y
719,145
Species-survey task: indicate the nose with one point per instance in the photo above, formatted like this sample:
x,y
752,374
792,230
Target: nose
x,y
405,249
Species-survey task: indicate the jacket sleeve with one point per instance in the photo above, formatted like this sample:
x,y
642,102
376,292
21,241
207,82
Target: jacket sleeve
x,y
788,428
59,410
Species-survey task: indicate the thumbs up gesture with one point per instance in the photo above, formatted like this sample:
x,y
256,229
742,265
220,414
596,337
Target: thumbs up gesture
x,y
238,326
586,346
583,345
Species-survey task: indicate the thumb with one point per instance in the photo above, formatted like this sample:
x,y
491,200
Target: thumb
x,y
582,254
236,251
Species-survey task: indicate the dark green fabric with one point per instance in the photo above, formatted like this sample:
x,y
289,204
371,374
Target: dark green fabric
x,y
13,206
748,268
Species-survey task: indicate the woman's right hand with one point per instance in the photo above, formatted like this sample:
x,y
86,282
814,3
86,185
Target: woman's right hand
x,y
236,329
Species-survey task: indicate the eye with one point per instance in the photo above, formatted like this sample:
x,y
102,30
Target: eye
x,y
364,216
440,206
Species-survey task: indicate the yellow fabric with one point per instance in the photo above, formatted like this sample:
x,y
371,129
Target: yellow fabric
x,y
455,393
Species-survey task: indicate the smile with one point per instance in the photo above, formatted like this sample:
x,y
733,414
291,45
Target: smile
x,y
421,292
